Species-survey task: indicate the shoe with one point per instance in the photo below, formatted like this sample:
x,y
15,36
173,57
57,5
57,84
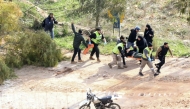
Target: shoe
x,y
156,74
91,58
125,66
158,71
73,62
119,67
80,61
156,65
140,73
110,65
98,60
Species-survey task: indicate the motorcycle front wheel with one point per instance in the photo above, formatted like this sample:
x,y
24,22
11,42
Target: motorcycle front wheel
x,y
114,106
84,107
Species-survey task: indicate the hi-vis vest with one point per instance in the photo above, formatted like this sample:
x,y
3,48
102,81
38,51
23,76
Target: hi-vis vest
x,y
149,53
98,38
116,50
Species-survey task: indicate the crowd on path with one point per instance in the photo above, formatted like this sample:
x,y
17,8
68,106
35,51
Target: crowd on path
x,y
136,46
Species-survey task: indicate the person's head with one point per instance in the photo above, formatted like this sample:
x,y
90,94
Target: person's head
x,y
99,30
139,38
166,44
137,28
150,46
80,31
51,15
148,27
124,43
122,37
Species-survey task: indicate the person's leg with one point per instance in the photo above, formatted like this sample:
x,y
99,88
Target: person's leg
x,y
129,44
119,62
143,63
97,54
114,56
151,75
92,52
132,44
162,62
79,52
74,54
52,33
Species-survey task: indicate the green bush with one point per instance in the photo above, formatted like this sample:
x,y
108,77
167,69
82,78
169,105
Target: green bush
x,y
33,48
5,71
37,25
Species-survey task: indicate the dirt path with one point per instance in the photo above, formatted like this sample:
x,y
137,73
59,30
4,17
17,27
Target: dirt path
x,y
38,87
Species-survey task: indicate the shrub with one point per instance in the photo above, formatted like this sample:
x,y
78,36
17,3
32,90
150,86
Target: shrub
x,y
33,48
36,25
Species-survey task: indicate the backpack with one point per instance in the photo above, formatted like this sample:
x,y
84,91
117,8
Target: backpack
x,y
43,22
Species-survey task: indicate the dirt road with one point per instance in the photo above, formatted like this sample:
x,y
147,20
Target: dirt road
x,y
64,86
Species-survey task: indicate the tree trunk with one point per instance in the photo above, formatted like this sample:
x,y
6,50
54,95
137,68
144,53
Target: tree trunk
x,y
98,12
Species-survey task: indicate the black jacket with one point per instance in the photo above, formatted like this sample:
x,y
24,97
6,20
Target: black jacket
x,y
132,36
147,34
141,44
78,38
49,23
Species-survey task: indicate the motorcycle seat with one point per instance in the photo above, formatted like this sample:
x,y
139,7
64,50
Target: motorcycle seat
x,y
105,99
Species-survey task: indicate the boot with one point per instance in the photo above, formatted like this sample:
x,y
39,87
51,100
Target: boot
x,y
140,73
125,66
73,62
80,61
110,65
91,58
119,67
98,60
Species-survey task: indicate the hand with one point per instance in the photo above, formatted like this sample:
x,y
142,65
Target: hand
x,y
89,43
149,59
105,43
52,18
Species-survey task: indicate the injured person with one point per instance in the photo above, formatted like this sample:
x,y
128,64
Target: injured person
x,y
133,53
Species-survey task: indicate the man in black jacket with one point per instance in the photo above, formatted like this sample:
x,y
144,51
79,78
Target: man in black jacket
x,y
148,34
49,22
96,38
160,54
132,37
78,38
141,44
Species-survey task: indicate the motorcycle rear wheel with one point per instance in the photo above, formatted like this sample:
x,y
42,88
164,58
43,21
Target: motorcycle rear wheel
x,y
84,107
114,106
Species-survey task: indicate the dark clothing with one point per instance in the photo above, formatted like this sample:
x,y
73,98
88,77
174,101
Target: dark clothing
x,y
131,52
49,23
78,38
164,51
162,62
76,50
147,34
94,36
122,54
95,49
141,44
132,36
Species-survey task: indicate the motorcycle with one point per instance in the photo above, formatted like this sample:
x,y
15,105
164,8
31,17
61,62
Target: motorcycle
x,y
99,103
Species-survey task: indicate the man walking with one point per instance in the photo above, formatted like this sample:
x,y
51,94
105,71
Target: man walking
x,y
117,54
141,44
146,59
132,37
161,54
78,38
96,38
49,23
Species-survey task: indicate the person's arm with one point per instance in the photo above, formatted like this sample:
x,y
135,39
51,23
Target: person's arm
x,y
55,21
83,41
146,53
170,52
73,27
105,42
158,51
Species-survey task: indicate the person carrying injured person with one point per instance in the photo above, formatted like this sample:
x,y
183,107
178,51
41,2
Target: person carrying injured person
x,y
146,59
133,53
117,54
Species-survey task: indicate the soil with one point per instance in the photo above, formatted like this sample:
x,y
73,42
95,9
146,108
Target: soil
x,y
64,86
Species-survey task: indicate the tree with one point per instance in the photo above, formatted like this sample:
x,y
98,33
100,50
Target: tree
x,y
100,8
184,7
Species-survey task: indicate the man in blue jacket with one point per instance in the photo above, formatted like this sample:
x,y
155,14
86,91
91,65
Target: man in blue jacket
x,y
49,23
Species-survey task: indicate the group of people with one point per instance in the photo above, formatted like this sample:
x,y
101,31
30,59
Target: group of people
x,y
141,50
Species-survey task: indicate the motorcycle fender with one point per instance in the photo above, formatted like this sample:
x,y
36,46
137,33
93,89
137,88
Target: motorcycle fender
x,y
84,102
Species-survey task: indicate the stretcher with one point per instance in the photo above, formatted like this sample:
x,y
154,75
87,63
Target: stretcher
x,y
133,58
86,50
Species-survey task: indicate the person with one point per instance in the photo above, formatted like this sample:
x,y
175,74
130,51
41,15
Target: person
x,y
141,44
117,53
160,54
96,38
78,38
120,39
148,34
146,59
133,53
49,23
132,37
